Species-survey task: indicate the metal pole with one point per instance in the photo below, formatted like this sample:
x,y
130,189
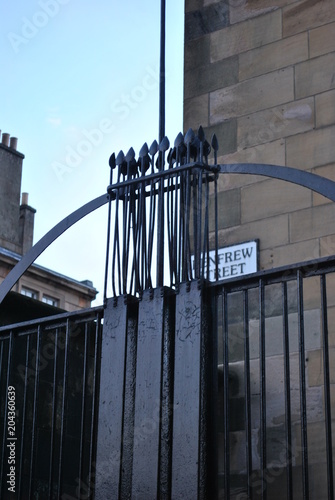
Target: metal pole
x,y
162,75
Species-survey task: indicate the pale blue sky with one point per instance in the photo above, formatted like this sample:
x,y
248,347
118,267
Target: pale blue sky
x,y
79,81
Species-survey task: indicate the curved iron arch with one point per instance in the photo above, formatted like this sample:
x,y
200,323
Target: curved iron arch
x,y
308,180
29,258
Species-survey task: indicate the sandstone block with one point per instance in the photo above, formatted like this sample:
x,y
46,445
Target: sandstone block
x,y
246,36
272,197
226,133
229,212
312,223
243,9
272,231
327,246
325,109
193,5
274,56
331,327
196,112
304,15
289,254
315,367
196,53
210,2
206,20
206,78
275,123
315,76
311,290
322,40
249,96
329,172
311,149
272,153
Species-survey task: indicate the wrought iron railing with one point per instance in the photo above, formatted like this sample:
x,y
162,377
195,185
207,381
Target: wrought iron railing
x,y
50,379
160,230
276,369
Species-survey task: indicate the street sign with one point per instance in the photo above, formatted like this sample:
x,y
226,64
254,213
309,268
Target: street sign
x,y
233,261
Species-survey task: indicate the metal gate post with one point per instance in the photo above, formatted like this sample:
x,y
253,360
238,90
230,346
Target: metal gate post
x,y
192,454
153,416
117,380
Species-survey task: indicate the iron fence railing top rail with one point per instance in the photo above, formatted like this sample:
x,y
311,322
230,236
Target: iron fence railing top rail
x,y
56,320
315,267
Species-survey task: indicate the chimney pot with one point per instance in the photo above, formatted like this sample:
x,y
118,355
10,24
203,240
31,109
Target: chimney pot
x,y
13,142
5,139
24,199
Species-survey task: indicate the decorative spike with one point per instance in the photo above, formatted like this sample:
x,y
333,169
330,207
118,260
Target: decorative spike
x,y
133,166
144,150
207,148
130,155
153,148
179,140
201,134
189,136
123,168
171,158
146,161
120,158
112,163
194,149
164,145
159,164
215,144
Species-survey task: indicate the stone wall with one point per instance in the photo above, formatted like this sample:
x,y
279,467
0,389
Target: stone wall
x,y
261,75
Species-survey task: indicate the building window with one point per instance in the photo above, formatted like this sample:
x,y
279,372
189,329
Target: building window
x,y
28,292
51,301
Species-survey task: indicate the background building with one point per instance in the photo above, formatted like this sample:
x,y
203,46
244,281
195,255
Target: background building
x,y
261,76
16,238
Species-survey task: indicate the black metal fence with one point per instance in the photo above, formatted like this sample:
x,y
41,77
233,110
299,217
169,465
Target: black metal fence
x,y
276,375
274,358
48,405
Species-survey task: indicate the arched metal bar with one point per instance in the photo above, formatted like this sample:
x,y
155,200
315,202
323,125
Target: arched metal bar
x,y
321,185
15,274
308,180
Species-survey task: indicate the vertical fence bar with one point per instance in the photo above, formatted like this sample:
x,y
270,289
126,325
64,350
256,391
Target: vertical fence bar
x,y
10,351
66,362
160,228
226,395
93,430
36,386
247,393
262,372
53,415
24,408
108,240
1,357
328,417
83,404
287,388
303,406
199,222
